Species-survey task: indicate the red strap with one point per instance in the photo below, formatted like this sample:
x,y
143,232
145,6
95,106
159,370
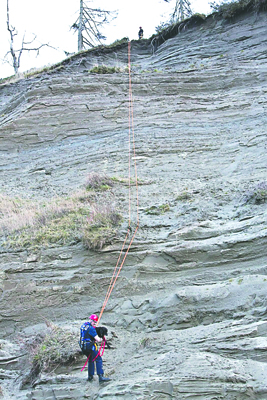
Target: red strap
x,y
101,347
85,363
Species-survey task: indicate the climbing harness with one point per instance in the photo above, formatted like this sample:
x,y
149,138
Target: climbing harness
x,y
102,347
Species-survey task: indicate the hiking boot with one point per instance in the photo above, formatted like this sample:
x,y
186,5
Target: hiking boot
x,y
103,379
90,378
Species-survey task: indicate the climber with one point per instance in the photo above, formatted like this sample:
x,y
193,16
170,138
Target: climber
x,y
140,33
88,340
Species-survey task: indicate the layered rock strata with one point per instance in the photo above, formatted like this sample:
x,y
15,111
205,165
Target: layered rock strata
x,y
189,308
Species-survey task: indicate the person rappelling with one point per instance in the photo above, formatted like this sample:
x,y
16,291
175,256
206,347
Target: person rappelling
x,y
90,332
88,339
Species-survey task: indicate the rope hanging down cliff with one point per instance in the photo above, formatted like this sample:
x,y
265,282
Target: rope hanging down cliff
x,y
120,262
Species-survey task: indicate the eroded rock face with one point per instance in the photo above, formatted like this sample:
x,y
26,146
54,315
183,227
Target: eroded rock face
x,y
189,308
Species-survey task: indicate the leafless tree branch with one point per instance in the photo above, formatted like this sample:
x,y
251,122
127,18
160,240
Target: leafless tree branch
x,y
16,54
181,11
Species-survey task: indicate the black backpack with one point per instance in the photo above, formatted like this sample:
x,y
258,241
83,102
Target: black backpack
x,y
84,340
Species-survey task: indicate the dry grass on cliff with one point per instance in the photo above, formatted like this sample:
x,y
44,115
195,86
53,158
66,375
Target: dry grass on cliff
x,y
98,182
99,229
48,351
84,217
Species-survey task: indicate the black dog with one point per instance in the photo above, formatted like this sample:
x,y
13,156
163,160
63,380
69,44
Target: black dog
x,y
102,332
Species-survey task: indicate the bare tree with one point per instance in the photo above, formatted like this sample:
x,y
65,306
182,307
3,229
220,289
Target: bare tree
x,y
16,54
88,25
182,10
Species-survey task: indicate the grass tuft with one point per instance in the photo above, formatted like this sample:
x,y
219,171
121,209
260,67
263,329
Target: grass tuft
x,y
158,210
103,69
48,351
256,195
100,228
118,42
98,182
185,195
145,342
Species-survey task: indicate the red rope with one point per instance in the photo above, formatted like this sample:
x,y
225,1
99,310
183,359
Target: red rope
x,y
117,269
85,363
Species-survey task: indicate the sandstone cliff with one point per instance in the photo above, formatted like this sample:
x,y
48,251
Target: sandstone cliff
x,y
189,309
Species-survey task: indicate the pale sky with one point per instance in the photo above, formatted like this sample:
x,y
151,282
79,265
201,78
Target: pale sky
x,y
50,21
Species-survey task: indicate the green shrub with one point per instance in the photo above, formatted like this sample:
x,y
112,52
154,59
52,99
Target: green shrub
x,y
158,210
164,208
103,69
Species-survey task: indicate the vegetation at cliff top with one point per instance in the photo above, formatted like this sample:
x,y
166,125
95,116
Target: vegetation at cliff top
x,y
225,10
87,216
231,9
